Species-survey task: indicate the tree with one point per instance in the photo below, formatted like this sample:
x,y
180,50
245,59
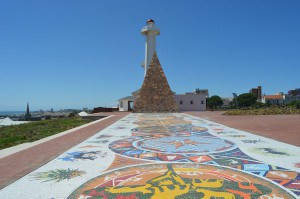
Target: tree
x,y
246,99
233,104
214,101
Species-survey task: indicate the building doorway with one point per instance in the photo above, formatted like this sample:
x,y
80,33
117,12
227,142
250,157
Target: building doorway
x,y
130,105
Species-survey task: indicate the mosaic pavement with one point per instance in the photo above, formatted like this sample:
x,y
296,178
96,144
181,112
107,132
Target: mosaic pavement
x,y
167,156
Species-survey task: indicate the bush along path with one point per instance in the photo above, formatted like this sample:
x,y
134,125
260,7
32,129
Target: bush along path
x,y
275,110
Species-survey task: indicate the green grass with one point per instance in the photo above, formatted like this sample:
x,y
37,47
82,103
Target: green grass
x,y
18,134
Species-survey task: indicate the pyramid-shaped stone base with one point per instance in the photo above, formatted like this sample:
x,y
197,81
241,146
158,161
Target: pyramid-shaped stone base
x,y
155,95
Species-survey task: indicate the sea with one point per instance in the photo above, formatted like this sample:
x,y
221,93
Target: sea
x,y
11,113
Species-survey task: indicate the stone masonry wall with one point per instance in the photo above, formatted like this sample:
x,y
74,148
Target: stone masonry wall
x,y
155,94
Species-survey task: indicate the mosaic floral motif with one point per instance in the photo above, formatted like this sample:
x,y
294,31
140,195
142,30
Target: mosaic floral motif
x,y
169,152
169,138
225,132
273,152
236,153
251,141
88,146
185,144
174,139
104,136
99,141
124,136
58,175
297,164
83,155
167,156
164,124
120,161
102,141
178,181
236,136
120,127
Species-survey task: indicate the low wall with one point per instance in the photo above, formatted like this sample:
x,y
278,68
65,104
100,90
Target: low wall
x,y
92,117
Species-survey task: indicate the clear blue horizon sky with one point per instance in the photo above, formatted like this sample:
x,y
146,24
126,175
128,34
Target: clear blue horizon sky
x,y
75,54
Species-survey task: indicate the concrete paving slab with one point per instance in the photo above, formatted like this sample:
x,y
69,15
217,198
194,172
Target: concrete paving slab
x,y
166,156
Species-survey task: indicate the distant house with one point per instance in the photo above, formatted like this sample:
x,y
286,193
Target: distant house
x,y
55,115
293,95
273,99
257,92
226,102
126,103
104,109
191,101
295,92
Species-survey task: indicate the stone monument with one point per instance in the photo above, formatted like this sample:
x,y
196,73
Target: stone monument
x,y
155,95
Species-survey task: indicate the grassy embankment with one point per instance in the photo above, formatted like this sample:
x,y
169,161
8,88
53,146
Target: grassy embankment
x,y
18,134
264,111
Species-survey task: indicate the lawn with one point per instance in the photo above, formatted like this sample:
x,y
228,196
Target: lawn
x,y
18,134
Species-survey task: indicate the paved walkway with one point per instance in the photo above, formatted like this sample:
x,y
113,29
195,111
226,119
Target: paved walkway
x,y
284,128
163,156
19,164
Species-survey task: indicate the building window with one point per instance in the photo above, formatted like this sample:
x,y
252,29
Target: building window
x,y
202,102
181,102
192,102
121,104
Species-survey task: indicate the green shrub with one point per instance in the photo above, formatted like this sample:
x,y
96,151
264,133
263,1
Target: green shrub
x,y
273,110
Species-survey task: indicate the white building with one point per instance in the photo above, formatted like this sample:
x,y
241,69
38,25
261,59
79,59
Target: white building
x,y
273,99
191,101
126,103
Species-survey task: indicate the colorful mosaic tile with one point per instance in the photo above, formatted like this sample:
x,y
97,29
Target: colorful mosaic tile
x,y
167,156
178,181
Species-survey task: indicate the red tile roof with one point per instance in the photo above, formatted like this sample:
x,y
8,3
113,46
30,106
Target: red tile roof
x,y
273,96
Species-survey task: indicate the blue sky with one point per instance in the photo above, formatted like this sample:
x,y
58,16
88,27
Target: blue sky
x,y
75,54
